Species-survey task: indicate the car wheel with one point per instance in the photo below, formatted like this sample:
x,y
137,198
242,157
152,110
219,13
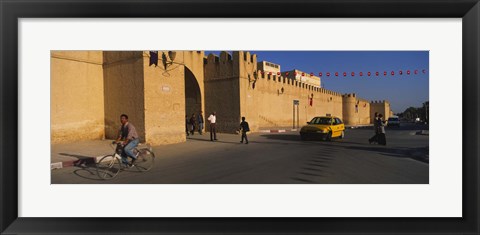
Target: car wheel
x,y
329,136
342,135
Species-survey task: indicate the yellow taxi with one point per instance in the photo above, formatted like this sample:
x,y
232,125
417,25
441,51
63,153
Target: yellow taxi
x,y
325,127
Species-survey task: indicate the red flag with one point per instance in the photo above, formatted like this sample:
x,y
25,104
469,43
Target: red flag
x,y
424,71
320,74
400,72
408,72
278,73
377,73
287,73
344,74
311,74
303,74
328,74
369,74
416,71
336,74
353,74
361,74
385,73
393,73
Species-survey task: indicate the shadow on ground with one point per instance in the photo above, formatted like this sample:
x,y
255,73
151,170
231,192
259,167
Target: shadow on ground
x,y
416,153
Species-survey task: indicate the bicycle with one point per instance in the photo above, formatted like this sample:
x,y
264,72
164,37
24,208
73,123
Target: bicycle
x,y
110,165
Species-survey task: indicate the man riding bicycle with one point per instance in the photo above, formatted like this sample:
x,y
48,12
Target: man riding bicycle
x,y
129,137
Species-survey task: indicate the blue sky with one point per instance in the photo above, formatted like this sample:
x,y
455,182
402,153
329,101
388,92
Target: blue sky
x,y
402,91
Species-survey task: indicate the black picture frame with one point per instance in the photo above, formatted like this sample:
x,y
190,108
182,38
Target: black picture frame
x,y
11,11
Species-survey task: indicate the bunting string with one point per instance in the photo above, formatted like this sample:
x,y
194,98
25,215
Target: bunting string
x,y
357,74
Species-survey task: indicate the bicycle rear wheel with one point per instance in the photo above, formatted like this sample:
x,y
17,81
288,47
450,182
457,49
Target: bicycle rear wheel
x,y
145,160
108,167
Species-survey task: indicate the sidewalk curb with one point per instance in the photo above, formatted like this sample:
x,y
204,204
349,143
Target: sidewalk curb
x,y
359,126
276,131
272,131
77,162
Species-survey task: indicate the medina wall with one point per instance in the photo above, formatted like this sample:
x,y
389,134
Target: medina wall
x,y
380,107
165,98
271,102
356,111
77,106
124,91
235,87
222,91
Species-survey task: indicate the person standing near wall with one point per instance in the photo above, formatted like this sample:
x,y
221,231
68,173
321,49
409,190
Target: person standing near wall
x,y
186,124
374,139
381,131
244,128
213,122
200,122
192,124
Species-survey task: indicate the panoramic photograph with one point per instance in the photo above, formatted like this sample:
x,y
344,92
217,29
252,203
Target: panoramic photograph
x,y
239,117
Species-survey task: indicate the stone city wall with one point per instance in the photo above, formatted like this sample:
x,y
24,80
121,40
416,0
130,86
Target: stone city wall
x,y
165,98
123,89
77,107
91,89
266,100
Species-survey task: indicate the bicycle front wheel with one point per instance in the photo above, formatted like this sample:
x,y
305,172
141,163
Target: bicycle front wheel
x,y
108,167
145,160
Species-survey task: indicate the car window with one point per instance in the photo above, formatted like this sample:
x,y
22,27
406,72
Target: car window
x,y
325,121
338,121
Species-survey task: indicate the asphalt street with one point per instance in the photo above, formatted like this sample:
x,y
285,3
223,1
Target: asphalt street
x,y
278,158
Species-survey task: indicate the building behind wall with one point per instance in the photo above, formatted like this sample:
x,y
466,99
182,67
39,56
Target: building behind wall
x,y
301,76
268,67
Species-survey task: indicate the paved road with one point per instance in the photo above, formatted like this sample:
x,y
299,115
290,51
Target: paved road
x,y
279,158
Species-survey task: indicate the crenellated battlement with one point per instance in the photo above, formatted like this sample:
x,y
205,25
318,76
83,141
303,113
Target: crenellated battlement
x,y
379,102
289,84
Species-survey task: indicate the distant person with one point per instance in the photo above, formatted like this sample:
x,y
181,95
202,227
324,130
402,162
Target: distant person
x,y
381,131
192,124
187,122
200,122
374,138
129,137
213,129
244,128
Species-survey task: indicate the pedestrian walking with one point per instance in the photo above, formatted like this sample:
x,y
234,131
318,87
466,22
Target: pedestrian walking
x,y
200,122
192,124
244,128
374,138
213,122
187,121
381,131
